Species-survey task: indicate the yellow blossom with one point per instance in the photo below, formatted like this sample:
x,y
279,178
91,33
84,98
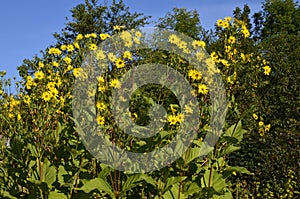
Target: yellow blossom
x,y
120,63
39,75
104,36
77,72
127,55
93,47
172,119
198,44
70,47
101,106
68,60
41,64
100,55
115,83
231,40
63,47
46,96
54,51
111,57
255,116
55,64
76,45
267,70
174,39
202,88
220,23
260,123
100,120
194,74
180,117
268,127
79,37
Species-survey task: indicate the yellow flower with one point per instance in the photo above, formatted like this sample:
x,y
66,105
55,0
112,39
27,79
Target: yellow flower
x,y
19,117
76,45
70,67
202,88
200,55
70,47
261,131
245,31
125,36
26,99
93,47
228,19
138,34
100,80
63,47
104,36
172,119
120,63
197,43
68,60
46,96
225,24
101,106
268,127
79,37
111,57
267,70
54,51
127,55
115,83
180,117
220,23
225,62
188,109
54,92
51,85
231,40
100,120
77,72
174,39
100,55
260,123
214,56
101,89
55,64
194,74
11,115
116,28
41,64
39,75
255,116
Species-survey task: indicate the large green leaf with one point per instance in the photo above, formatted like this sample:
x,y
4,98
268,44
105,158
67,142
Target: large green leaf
x,y
56,195
99,184
213,179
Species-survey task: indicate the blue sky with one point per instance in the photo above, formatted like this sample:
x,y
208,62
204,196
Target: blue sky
x,y
27,26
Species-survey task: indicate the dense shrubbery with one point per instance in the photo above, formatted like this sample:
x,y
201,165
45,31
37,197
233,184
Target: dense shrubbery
x,y
42,155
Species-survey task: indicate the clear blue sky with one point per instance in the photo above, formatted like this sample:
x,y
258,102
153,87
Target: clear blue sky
x,y
27,25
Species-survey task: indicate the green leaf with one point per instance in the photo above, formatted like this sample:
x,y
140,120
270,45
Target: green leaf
x,y
193,188
131,182
99,184
237,169
56,195
191,154
236,131
229,149
217,181
227,195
